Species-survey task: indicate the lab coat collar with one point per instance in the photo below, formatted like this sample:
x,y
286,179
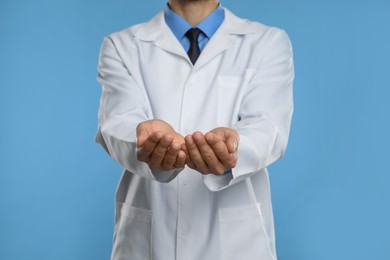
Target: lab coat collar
x,y
158,32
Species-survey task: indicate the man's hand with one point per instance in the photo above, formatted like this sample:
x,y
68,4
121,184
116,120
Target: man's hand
x,y
160,146
215,152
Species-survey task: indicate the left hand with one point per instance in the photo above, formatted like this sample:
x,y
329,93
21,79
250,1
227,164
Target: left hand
x,y
215,152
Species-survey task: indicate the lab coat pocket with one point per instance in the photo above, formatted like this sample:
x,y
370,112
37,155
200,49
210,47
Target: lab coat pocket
x,y
243,235
228,94
133,236
231,93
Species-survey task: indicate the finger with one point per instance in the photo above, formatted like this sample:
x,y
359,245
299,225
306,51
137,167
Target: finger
x,y
142,135
232,144
180,159
184,148
188,160
147,148
160,152
232,139
218,145
170,157
208,154
195,156
220,149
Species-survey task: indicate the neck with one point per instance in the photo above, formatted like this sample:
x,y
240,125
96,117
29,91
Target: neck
x,y
193,11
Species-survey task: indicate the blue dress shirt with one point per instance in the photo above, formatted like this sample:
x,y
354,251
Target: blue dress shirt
x,y
179,26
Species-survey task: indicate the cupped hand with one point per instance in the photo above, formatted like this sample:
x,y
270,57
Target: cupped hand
x,y
159,145
212,153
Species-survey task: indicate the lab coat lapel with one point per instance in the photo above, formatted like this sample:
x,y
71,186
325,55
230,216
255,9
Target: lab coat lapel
x,y
217,44
169,42
222,39
158,32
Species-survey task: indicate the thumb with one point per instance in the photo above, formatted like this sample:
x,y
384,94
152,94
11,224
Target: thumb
x,y
142,134
232,138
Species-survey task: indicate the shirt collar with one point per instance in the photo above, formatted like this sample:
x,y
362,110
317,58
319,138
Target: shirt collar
x,y
179,26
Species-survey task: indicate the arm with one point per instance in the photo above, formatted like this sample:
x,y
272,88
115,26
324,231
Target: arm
x,y
263,128
123,107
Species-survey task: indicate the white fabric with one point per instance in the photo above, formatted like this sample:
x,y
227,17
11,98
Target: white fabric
x,y
242,79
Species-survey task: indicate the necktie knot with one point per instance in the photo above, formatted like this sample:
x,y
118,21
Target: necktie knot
x,y
193,34
194,51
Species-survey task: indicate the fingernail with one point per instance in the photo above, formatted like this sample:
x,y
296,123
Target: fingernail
x,y
189,140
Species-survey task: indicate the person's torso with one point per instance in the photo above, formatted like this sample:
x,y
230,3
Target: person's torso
x,y
183,219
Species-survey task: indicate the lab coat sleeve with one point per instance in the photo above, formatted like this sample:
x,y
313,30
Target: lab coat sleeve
x,y
123,105
264,114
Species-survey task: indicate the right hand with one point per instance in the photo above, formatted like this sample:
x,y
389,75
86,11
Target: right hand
x,y
160,145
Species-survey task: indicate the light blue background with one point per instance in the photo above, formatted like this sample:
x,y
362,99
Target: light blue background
x,y
330,192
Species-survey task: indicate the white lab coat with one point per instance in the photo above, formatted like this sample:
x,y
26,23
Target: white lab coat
x,y
242,79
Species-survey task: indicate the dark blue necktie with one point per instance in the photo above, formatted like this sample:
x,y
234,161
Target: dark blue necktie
x,y
194,51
